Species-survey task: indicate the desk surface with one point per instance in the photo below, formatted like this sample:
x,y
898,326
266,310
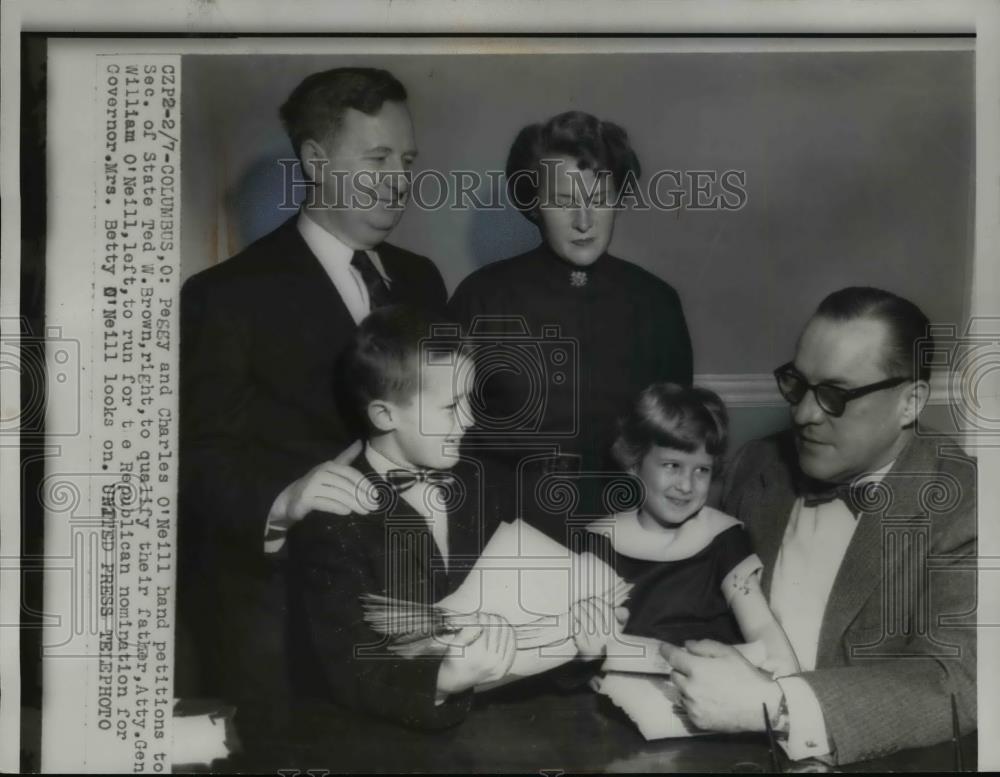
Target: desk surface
x,y
520,732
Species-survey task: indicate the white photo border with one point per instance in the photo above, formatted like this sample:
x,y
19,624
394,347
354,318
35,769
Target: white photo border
x,y
315,18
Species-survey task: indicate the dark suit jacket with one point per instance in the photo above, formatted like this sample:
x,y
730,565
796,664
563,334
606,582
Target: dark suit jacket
x,y
617,333
335,560
260,335
898,634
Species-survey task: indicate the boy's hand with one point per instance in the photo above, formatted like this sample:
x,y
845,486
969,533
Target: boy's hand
x,y
594,623
331,487
478,655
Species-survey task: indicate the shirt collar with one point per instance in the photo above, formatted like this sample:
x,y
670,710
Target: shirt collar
x,y
330,249
413,496
380,463
875,476
325,245
629,538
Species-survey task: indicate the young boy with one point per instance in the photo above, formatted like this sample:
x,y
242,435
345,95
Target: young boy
x,y
410,391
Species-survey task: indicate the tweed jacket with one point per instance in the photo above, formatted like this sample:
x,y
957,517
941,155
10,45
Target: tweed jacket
x,y
898,634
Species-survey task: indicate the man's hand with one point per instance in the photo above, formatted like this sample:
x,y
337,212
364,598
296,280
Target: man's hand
x,y
720,689
477,655
331,487
594,623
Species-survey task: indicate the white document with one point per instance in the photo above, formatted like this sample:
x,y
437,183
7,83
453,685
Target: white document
x,y
524,575
200,739
532,581
652,702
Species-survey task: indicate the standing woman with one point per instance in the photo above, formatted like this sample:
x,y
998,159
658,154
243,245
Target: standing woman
x,y
619,327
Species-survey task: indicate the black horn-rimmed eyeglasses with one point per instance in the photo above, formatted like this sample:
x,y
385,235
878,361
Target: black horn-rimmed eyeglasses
x,y
831,399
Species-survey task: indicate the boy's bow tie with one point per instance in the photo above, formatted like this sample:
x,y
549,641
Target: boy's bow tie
x,y
404,479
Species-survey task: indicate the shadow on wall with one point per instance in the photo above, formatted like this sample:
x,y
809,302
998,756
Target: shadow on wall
x,y
254,203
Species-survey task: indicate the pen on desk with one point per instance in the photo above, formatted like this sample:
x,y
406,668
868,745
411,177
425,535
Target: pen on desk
x,y
956,734
771,742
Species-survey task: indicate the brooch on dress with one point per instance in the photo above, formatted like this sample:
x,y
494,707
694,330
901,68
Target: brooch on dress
x,y
578,278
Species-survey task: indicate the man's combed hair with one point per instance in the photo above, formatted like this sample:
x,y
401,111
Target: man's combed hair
x,y
315,109
595,145
672,416
907,324
383,359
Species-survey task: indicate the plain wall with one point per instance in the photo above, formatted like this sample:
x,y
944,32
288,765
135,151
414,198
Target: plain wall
x,y
858,164
859,170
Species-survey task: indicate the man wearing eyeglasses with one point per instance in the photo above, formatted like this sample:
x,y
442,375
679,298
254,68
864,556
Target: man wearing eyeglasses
x,y
867,533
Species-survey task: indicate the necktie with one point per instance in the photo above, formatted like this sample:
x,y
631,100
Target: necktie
x,y
378,294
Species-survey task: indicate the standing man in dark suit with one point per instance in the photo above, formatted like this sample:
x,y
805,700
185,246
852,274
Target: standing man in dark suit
x,y
261,333
867,533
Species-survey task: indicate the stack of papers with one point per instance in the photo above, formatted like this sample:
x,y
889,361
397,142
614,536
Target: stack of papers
x,y
533,581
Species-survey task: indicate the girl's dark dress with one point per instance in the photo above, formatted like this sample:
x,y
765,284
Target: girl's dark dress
x,y
678,599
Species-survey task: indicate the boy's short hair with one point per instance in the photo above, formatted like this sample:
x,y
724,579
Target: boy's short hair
x,y
672,416
383,359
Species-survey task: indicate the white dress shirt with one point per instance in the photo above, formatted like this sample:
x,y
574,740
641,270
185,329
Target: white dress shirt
x,y
336,257
422,497
812,550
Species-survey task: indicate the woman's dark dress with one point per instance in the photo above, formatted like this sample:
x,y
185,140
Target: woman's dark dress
x,y
574,348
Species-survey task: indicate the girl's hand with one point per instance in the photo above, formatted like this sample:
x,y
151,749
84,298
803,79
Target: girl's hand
x,y
594,623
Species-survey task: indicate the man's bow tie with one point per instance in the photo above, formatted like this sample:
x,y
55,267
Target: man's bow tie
x,y
404,479
856,496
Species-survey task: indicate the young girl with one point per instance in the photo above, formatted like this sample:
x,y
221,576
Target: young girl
x,y
694,572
